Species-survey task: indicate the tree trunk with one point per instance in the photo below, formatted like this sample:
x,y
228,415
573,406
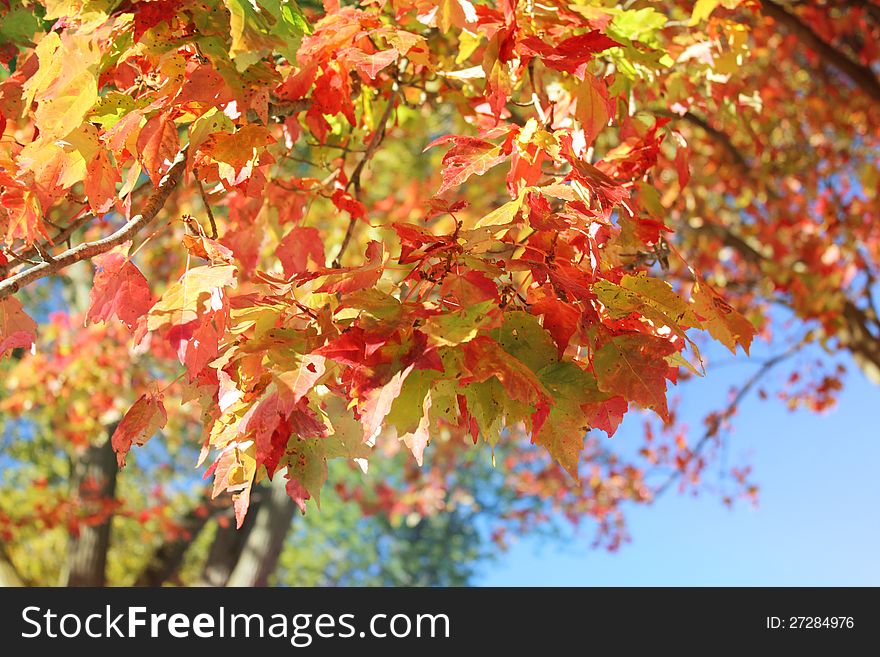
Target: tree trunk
x,y
93,478
167,558
262,549
8,574
228,545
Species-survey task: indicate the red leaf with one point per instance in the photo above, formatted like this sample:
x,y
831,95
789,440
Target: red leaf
x,y
17,330
633,367
469,156
297,493
23,215
560,320
298,247
142,421
344,281
368,65
150,13
100,183
158,144
484,358
606,415
271,433
120,289
572,55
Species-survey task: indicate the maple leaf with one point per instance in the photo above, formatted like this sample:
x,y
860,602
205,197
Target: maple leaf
x,y
271,431
307,466
499,84
572,54
187,299
418,439
723,321
566,426
158,144
119,289
293,385
138,425
368,65
447,14
64,86
468,156
298,493
633,366
377,404
410,411
460,326
17,330
485,358
300,246
606,415
100,183
23,215
594,108
560,320
345,281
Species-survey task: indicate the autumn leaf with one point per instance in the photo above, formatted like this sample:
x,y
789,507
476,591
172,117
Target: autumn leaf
x,y
158,144
345,281
566,426
307,466
300,246
468,156
187,299
119,289
633,366
607,414
572,54
142,421
100,183
594,108
17,330
723,321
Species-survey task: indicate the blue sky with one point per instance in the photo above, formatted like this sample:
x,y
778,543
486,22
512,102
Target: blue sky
x,y
817,522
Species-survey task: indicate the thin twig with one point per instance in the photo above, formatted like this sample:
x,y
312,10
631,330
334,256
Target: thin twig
x,y
207,207
355,179
715,426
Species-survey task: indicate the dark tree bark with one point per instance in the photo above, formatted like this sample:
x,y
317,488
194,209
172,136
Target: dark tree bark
x,y
228,545
862,76
93,479
260,553
168,557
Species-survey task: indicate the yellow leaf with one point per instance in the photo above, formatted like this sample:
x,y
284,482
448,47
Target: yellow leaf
x,y
702,10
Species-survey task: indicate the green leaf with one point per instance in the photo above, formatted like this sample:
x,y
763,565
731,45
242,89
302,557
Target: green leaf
x,y
563,432
463,325
406,411
522,336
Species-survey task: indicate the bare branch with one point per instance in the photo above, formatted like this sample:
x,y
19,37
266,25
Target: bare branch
x,y
355,179
862,76
153,205
714,427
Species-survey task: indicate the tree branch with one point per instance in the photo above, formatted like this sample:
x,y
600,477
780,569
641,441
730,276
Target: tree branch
x,y
714,426
355,179
719,136
153,205
167,558
862,76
